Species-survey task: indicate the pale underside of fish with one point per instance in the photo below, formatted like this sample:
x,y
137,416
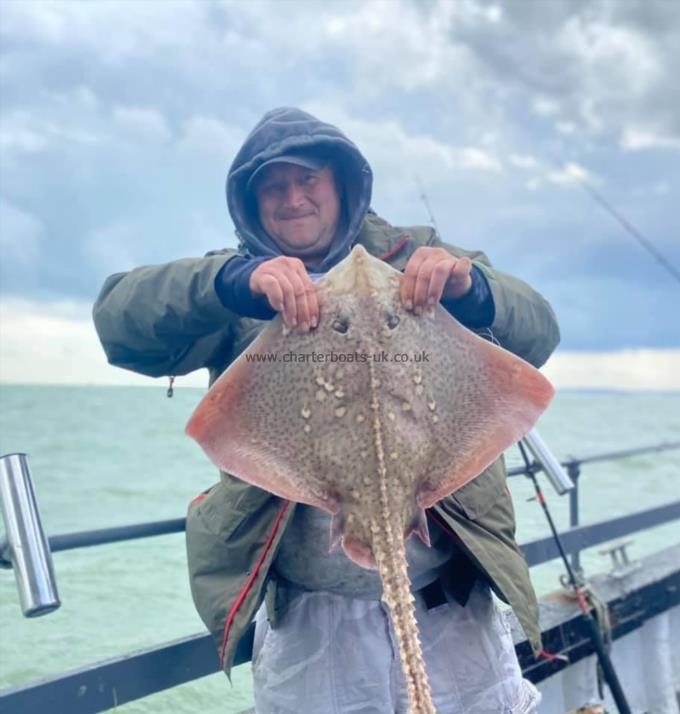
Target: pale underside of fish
x,y
348,419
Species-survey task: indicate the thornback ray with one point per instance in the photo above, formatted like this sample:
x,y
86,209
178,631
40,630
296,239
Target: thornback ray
x,y
373,416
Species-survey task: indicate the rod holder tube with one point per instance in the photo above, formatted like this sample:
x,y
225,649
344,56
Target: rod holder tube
x,y
27,545
551,466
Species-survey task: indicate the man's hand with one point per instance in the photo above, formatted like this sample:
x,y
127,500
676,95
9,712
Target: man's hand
x,y
432,274
289,290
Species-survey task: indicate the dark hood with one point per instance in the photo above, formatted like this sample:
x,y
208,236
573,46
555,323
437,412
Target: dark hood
x,y
282,131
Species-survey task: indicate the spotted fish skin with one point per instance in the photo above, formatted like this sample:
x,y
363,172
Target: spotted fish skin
x,y
373,416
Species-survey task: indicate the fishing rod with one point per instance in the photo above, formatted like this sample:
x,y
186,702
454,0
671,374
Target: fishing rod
x,y
594,633
618,216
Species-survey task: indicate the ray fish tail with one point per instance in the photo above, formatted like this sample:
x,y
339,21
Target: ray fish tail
x,y
392,565
389,551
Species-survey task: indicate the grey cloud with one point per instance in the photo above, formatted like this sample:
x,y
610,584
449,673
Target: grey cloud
x,y
607,65
21,240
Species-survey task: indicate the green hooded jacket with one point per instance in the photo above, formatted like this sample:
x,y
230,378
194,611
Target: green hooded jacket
x,y
168,320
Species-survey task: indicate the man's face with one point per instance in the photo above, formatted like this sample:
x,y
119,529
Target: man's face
x,y
299,209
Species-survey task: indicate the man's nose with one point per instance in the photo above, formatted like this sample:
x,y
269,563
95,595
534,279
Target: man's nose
x,y
295,195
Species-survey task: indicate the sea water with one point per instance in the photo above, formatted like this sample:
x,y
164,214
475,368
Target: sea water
x,y
109,456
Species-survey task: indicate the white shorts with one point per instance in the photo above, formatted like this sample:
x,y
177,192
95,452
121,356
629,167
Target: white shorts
x,y
337,655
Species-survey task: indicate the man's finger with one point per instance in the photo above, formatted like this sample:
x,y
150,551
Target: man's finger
x,y
423,284
269,286
311,301
440,274
302,316
460,279
408,283
289,312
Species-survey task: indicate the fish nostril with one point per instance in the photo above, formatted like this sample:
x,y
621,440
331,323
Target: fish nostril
x,y
392,320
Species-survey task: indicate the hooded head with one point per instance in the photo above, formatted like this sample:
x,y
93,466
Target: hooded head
x,y
298,138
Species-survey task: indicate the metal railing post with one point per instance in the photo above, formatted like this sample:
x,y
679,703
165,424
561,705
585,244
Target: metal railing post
x,y
27,546
550,466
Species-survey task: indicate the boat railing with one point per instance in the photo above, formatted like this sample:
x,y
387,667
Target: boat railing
x,y
135,675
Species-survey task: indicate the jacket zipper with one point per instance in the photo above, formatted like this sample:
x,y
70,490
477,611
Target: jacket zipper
x,y
251,579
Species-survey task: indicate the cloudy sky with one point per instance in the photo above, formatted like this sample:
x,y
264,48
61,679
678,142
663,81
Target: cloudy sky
x,y
119,120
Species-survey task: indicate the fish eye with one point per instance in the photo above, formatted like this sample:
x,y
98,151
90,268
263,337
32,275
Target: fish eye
x,y
341,324
392,320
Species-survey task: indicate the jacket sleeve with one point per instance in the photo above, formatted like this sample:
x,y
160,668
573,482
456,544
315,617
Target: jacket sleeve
x,y
164,319
523,322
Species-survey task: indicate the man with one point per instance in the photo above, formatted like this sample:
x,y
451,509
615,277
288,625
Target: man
x,y
299,192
